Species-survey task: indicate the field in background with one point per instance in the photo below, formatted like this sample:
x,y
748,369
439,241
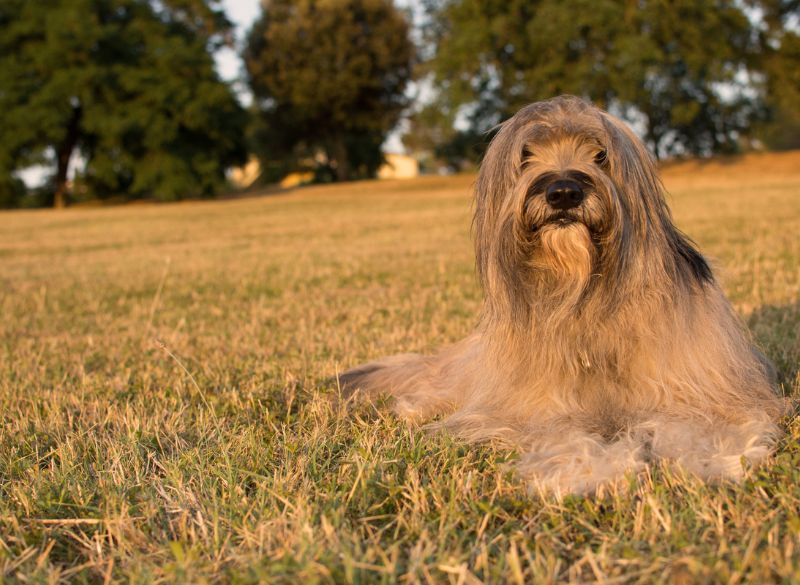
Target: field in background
x,y
164,402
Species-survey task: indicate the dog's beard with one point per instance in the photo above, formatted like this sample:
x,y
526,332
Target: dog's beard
x,y
563,256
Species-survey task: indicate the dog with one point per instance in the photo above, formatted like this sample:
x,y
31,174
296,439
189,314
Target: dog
x,y
604,342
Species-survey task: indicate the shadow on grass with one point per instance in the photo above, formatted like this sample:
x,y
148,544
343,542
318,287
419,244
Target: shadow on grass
x,y
776,329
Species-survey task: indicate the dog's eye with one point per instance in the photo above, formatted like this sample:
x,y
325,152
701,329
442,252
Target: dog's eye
x,y
526,153
601,158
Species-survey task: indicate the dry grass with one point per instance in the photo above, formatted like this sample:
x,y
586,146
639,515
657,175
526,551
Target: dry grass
x,y
218,457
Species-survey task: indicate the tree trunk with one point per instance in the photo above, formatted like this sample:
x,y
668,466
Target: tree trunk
x,y
339,150
64,155
653,139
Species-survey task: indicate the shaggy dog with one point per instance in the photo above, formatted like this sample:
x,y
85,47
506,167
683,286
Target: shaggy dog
x,y
604,341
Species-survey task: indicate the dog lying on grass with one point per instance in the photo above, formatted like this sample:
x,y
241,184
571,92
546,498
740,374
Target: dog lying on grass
x,y
604,341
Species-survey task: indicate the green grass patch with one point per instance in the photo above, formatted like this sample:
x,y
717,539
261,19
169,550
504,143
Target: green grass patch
x,y
221,456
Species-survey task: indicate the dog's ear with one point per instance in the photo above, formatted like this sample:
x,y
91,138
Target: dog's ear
x,y
633,170
495,229
635,175
688,261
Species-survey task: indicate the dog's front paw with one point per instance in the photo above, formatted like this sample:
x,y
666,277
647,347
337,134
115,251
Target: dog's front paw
x,y
579,464
715,452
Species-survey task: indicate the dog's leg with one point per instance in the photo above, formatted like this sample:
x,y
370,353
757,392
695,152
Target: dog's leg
x,y
577,462
713,450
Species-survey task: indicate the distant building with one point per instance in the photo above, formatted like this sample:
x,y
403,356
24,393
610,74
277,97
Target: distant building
x,y
244,177
399,166
296,179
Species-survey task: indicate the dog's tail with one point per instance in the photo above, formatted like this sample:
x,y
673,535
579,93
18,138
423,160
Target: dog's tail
x,y
420,386
416,384
385,376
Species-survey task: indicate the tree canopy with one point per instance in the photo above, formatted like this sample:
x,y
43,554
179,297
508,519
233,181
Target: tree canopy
x,y
129,85
779,36
329,78
697,76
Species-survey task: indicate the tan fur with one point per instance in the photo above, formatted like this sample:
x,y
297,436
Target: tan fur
x,y
604,343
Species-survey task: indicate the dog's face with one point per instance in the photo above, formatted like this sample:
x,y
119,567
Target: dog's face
x,y
568,195
564,181
566,203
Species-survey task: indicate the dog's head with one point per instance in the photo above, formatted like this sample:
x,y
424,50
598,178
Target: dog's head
x,y
567,193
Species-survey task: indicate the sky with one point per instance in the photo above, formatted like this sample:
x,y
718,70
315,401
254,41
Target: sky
x,y
241,13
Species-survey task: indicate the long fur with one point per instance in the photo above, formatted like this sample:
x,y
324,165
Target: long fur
x,y
604,341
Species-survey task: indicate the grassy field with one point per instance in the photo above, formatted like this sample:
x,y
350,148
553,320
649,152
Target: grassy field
x,y
165,412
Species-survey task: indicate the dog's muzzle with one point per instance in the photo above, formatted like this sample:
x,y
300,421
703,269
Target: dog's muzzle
x,y
564,194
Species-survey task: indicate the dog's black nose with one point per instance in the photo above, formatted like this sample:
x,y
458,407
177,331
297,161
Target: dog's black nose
x,y
564,194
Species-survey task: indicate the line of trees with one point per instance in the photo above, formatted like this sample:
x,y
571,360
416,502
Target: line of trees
x,y
696,78
126,90
127,86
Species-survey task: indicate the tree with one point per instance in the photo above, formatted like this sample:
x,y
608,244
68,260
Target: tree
x,y
435,140
780,43
697,61
127,84
686,71
489,58
329,76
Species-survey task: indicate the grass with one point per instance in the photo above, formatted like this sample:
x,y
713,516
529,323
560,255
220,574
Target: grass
x,y
165,412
